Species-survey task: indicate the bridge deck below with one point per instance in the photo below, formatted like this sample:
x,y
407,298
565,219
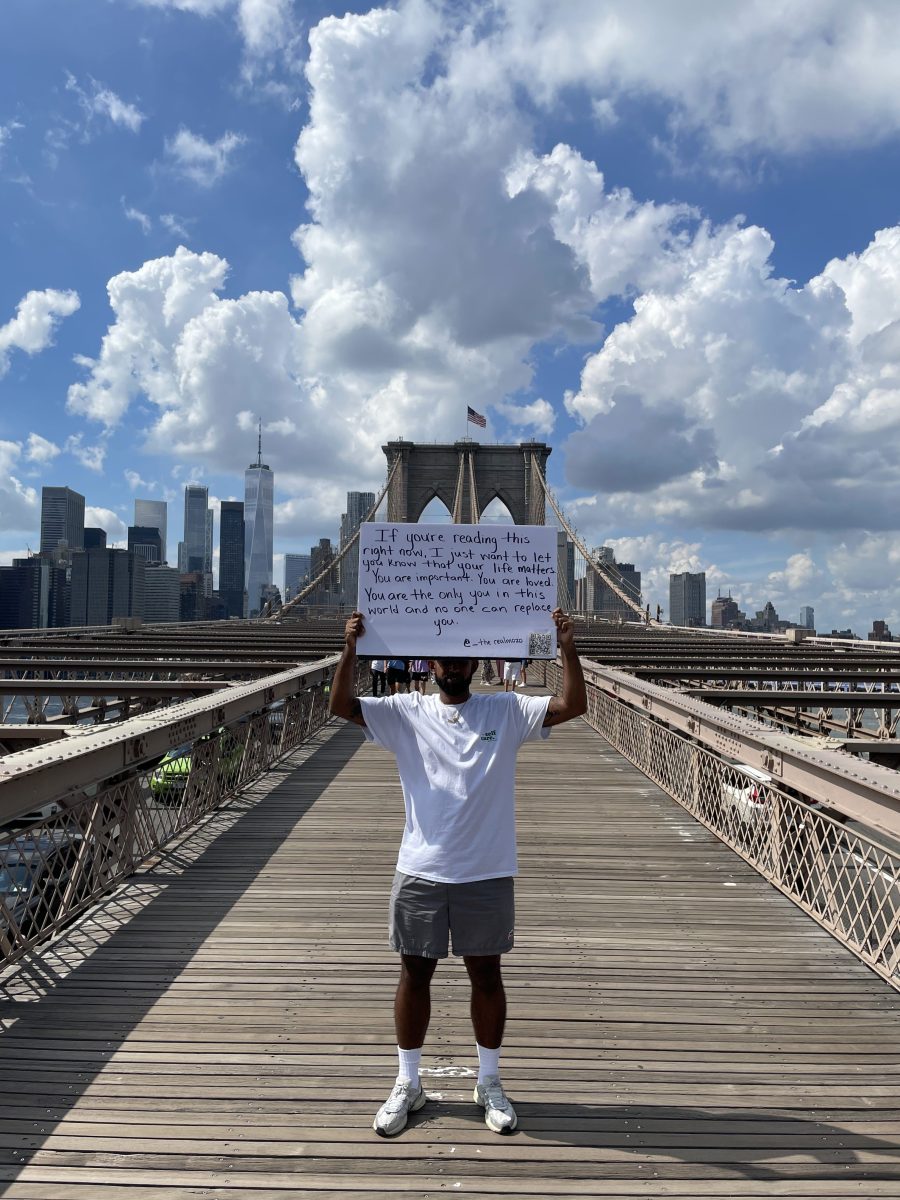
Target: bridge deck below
x,y
676,1028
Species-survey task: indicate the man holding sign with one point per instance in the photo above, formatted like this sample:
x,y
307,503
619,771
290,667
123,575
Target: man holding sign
x,y
456,755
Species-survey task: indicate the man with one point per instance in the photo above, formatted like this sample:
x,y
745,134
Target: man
x,y
512,669
456,756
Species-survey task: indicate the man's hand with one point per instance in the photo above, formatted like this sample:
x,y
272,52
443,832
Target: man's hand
x,y
573,701
343,701
565,631
353,629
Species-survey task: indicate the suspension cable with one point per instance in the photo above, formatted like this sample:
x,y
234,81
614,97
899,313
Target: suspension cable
x,y
617,585
311,586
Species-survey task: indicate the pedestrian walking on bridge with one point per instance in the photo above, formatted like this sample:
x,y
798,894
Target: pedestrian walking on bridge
x,y
454,886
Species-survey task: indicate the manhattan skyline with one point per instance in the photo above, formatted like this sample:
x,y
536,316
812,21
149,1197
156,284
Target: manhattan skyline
x,y
662,240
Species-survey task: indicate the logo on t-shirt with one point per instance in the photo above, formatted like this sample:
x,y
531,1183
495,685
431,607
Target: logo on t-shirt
x,y
490,736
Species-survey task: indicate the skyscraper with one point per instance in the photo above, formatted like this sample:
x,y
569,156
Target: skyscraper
x,y
259,506
687,598
106,584
145,542
358,504
231,557
197,552
62,519
296,572
154,514
808,617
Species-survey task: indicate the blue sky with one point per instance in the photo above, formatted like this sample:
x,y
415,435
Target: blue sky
x,y
647,238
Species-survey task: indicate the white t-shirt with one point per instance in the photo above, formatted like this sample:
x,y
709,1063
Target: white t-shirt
x,y
457,765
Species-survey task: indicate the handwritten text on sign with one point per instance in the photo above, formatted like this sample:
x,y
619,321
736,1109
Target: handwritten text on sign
x,y
455,590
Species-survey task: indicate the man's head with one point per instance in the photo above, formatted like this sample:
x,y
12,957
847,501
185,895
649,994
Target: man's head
x,y
454,675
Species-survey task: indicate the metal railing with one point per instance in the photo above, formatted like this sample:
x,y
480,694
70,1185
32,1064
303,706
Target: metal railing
x,y
77,817
844,879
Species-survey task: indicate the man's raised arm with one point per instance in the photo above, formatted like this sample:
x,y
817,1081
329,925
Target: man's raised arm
x,y
573,701
343,701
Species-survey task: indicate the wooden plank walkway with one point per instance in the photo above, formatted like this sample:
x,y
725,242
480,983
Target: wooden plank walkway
x,y
222,1026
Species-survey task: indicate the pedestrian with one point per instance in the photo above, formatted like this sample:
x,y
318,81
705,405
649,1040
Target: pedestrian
x,y
398,675
418,675
512,670
498,663
379,679
487,671
454,886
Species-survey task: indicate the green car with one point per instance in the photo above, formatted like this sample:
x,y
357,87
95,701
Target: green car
x,y
169,781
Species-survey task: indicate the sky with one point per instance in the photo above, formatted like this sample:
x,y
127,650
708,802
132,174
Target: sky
x,y
663,238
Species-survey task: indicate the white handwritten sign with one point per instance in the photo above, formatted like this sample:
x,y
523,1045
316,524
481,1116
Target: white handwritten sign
x,y
455,591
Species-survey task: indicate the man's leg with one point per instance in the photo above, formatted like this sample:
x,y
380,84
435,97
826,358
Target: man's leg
x,y
488,1004
412,1003
412,1010
489,1021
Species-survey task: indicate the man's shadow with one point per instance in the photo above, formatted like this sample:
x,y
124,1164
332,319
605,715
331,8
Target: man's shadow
x,y
716,1141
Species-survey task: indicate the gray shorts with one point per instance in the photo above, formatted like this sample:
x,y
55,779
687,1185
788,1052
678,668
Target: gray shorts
x,y
424,916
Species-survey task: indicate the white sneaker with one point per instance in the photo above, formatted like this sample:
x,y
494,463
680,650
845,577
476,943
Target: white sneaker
x,y
393,1114
499,1114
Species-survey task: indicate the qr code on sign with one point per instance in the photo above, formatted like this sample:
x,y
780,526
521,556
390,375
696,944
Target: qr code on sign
x,y
539,645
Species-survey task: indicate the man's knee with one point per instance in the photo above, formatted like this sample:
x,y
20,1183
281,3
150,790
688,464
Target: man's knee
x,y
415,970
484,972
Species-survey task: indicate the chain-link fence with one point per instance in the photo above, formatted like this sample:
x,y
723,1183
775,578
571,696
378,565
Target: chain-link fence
x,y
844,879
55,862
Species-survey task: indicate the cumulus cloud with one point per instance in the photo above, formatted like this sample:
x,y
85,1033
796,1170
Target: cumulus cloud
x,y
140,218
732,396
105,518
40,450
19,504
199,160
266,26
35,322
136,483
99,102
90,455
765,80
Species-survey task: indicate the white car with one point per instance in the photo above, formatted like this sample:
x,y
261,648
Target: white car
x,y
744,793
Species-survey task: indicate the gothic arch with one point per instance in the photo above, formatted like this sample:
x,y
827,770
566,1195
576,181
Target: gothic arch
x,y
466,476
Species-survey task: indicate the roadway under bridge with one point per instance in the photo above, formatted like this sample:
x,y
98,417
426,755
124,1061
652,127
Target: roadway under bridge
x,y
197,996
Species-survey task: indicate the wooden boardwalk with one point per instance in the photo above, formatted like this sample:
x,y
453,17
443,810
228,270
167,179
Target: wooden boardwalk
x,y
676,1027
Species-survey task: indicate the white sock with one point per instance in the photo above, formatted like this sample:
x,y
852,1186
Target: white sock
x,y
488,1062
409,1064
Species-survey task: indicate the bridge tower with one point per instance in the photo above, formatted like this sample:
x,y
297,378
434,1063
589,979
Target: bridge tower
x,y
467,476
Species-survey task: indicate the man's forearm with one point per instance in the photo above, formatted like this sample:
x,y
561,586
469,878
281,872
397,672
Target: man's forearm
x,y
574,693
343,701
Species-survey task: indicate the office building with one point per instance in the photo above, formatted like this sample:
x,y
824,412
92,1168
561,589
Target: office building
x,y
34,594
231,557
197,552
296,573
807,617
358,505
259,515
146,542
94,539
687,598
62,519
162,593
880,632
601,596
106,584
726,614
154,514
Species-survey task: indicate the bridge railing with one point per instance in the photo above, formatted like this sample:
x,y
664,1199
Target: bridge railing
x,y
783,808
79,816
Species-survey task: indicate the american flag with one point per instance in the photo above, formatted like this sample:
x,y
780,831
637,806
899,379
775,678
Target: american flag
x,y
476,418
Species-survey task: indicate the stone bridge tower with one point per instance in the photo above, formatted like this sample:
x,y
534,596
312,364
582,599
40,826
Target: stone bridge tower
x,y
467,476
